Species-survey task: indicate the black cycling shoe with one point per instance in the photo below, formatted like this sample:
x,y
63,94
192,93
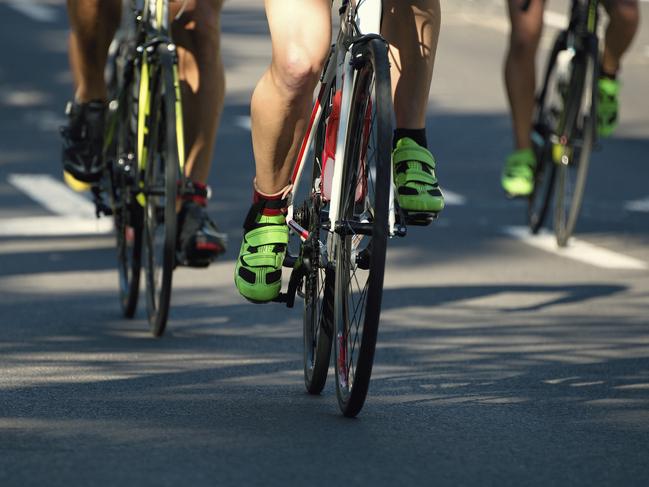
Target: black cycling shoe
x,y
83,139
199,241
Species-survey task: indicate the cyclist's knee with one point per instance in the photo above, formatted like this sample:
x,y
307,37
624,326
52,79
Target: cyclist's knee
x,y
295,69
524,40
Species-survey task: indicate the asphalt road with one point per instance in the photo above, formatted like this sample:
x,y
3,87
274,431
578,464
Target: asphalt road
x,y
499,362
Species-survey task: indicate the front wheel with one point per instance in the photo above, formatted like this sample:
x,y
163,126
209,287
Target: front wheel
x,y
160,187
572,168
549,107
360,235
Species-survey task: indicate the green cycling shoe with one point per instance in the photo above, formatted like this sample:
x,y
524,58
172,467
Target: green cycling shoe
x,y
608,106
414,175
258,273
518,174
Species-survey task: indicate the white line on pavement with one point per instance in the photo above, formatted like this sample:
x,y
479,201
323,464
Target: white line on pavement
x,y
38,246
33,10
638,205
53,195
453,199
52,226
577,250
555,19
75,215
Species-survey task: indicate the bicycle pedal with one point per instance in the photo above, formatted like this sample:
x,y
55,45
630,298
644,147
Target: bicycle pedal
x,y
281,298
420,219
195,262
289,261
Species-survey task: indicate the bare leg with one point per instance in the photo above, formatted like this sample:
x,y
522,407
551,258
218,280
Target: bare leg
x,y
624,16
197,34
93,24
301,33
520,67
412,30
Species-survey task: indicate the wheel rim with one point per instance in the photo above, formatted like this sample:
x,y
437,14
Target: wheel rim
x,y
353,254
574,169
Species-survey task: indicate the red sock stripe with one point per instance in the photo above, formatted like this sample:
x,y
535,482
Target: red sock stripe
x,y
197,193
276,205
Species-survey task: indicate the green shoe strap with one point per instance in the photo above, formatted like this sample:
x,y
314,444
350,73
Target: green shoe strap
x,y
414,174
273,234
413,164
260,259
413,153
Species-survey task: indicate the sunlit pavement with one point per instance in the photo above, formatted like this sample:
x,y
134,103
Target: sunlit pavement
x,y
500,360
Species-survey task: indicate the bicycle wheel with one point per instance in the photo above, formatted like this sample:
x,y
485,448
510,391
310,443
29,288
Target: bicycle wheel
x,y
576,145
128,230
318,281
160,187
546,120
360,235
121,168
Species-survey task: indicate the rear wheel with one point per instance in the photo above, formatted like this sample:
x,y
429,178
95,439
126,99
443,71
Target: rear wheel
x,y
128,230
121,166
318,284
360,234
160,187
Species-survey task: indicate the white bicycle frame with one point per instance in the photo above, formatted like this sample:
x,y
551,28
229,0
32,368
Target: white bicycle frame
x,y
368,14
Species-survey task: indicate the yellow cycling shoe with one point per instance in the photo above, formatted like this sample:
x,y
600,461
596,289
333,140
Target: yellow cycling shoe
x,y
75,184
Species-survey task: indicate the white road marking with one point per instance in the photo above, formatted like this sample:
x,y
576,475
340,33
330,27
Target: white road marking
x,y
39,246
638,205
555,19
453,199
33,10
577,250
23,98
45,120
74,214
52,226
53,195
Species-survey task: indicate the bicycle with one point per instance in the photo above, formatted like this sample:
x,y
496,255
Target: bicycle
x,y
564,126
144,156
347,211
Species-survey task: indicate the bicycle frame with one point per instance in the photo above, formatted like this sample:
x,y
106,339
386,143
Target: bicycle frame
x,y
147,29
361,20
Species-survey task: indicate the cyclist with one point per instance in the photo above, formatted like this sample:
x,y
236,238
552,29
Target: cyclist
x,y
197,35
301,34
518,173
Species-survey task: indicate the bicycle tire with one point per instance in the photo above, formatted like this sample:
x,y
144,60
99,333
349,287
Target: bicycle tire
x,y
543,127
371,95
128,229
120,162
160,184
317,326
572,174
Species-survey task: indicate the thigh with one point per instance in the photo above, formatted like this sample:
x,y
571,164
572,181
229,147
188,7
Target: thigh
x,y
300,33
